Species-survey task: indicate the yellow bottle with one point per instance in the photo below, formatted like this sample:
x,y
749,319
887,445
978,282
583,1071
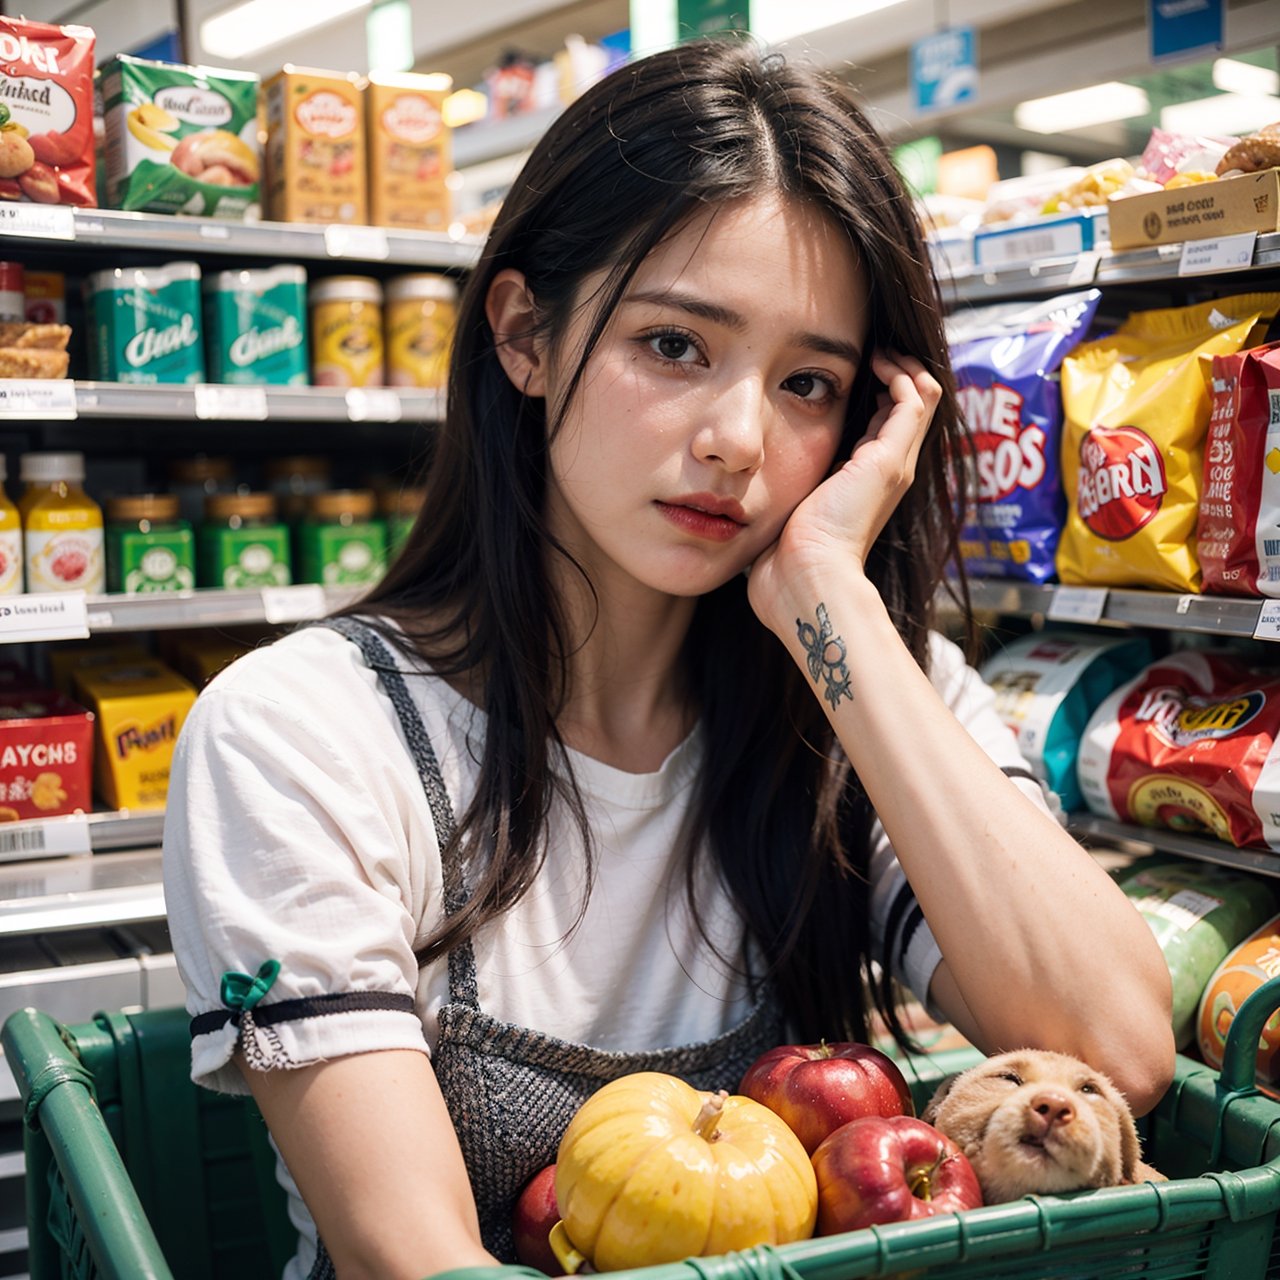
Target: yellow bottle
x,y
10,540
62,525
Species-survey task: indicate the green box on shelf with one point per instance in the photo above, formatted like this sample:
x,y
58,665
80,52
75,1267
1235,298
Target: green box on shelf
x,y
142,563
342,555
240,559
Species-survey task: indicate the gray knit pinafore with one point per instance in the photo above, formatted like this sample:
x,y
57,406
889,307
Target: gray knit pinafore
x,y
512,1091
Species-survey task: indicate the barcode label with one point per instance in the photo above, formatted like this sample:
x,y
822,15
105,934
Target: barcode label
x,y
47,838
1035,242
1271,546
1273,397
1077,604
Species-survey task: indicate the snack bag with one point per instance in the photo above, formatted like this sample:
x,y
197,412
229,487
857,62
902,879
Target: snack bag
x,y
1190,744
46,113
1006,360
1136,411
181,139
1047,685
1198,912
1238,529
1253,962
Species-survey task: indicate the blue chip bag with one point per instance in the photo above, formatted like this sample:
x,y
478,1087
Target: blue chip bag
x,y
1006,359
1048,685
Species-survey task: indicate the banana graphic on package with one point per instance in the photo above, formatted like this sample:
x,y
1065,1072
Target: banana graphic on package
x,y
153,126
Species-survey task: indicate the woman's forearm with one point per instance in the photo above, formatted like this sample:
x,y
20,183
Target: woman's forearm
x,y
1041,946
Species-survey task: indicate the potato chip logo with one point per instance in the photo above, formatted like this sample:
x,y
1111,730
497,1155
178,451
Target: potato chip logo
x,y
1181,719
1121,481
1006,454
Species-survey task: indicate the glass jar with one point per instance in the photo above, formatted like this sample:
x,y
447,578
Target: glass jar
x,y
194,479
243,543
62,525
342,542
346,332
150,547
422,314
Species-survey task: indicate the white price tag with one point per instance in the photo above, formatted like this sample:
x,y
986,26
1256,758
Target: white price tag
x,y
1077,604
293,604
45,838
1085,269
42,221
1226,253
54,616
373,404
242,404
37,397
366,243
1268,627
214,231
99,619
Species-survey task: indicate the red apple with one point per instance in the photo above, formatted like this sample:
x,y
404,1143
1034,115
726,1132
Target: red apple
x,y
816,1088
890,1169
531,1222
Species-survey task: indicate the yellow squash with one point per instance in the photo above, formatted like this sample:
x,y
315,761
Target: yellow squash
x,y
651,1170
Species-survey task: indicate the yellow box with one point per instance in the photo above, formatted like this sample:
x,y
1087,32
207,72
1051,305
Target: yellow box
x,y
315,156
410,150
65,660
1202,211
140,709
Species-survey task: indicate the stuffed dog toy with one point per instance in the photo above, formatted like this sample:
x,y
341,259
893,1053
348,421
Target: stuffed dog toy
x,y
1035,1122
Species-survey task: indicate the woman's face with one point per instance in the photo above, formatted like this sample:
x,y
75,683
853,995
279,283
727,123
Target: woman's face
x,y
714,402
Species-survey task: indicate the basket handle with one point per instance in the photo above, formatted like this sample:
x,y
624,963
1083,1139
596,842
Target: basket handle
x,y
1240,1053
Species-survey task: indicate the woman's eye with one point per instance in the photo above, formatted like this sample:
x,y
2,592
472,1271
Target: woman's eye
x,y
674,347
809,386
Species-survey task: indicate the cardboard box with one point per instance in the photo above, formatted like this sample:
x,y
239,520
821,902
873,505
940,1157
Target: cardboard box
x,y
1204,211
46,755
140,709
315,154
410,151
109,651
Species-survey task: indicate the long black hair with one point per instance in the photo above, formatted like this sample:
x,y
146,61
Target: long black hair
x,y
777,806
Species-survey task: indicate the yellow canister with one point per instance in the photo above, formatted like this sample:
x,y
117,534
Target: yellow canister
x,y
422,313
346,332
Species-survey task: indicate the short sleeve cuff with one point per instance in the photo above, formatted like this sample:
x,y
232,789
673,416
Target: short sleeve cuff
x,y
300,1042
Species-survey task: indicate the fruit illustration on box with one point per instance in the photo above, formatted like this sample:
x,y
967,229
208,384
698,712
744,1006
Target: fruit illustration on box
x,y
816,1088
890,1169
652,1170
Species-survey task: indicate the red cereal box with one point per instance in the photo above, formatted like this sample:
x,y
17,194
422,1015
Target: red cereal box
x,y
46,113
46,755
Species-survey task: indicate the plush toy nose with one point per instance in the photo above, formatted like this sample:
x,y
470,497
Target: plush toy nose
x,y
1052,1106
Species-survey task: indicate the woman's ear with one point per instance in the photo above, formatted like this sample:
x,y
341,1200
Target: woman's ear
x,y
512,315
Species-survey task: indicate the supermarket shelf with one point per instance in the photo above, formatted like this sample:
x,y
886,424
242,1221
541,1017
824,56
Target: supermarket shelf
x,y
76,893
1089,827
1162,610
1102,267
290,241
169,611
280,404
478,143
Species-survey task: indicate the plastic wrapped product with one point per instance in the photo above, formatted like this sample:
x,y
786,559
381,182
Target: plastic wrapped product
x,y
1136,411
1190,744
1006,359
1048,684
1198,913
1252,963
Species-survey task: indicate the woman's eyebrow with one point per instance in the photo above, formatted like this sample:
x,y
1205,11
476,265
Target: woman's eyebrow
x,y
731,319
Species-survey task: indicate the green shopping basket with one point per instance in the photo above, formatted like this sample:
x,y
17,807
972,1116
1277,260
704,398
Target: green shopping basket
x,y
134,1173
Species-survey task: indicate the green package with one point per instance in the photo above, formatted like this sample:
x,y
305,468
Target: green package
x,y
181,139
251,556
341,555
145,324
255,325
142,563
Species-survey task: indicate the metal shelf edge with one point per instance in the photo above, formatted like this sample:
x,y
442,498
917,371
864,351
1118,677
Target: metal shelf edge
x,y
1260,861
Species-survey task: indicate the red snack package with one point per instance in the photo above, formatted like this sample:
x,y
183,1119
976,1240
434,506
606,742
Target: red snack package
x,y
46,755
1190,744
1238,527
46,113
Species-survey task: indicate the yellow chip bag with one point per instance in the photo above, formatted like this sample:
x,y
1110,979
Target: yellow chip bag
x,y
1135,413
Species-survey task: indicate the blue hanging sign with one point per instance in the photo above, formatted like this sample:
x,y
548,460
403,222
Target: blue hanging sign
x,y
1179,28
944,69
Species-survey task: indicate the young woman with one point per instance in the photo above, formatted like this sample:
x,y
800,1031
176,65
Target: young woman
x,y
644,755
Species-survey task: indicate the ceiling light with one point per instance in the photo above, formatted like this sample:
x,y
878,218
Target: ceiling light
x,y
1243,77
1226,113
1081,108
776,20
254,25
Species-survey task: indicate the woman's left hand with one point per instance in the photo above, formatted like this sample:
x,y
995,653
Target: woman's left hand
x,y
839,521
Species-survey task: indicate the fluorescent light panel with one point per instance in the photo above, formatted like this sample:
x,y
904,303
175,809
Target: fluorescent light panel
x,y
247,28
1098,104
777,20
1227,113
1232,76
